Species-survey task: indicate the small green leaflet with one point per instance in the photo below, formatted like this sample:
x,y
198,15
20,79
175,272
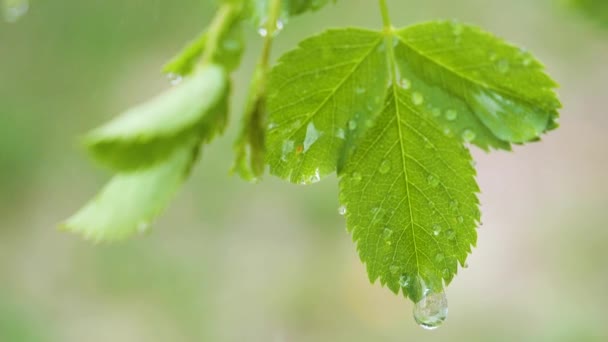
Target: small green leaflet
x,y
390,111
148,133
130,201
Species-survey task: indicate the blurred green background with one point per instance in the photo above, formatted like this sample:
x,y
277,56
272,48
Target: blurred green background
x,y
231,261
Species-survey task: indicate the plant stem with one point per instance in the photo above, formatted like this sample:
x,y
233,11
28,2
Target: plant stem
x,y
271,28
221,22
386,19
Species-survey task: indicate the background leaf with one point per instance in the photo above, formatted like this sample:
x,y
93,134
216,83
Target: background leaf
x,y
130,201
148,133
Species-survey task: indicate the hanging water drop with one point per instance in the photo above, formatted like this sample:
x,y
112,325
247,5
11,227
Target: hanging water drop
x,y
342,210
385,167
175,79
431,311
13,10
417,98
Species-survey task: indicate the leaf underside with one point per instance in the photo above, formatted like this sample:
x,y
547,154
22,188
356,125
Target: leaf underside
x,y
389,111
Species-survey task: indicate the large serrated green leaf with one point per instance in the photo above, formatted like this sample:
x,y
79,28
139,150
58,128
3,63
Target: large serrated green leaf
x,y
130,201
320,97
150,132
596,10
409,194
475,82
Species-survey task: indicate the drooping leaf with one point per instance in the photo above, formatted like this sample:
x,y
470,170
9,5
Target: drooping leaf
x,y
320,96
476,85
228,52
130,201
150,132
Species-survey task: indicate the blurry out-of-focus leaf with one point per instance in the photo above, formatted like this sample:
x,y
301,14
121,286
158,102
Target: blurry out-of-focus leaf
x,y
596,10
150,132
258,9
130,201
227,53
17,324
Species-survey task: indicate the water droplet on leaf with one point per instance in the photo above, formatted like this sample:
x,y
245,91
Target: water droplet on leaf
x,y
405,83
436,230
417,98
439,257
432,180
450,234
352,125
387,233
342,210
394,269
385,167
503,66
468,135
451,115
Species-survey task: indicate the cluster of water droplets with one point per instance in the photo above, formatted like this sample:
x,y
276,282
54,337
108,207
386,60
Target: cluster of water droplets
x,y
13,10
278,27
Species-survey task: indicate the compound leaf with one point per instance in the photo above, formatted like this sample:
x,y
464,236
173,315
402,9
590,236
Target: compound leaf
x,y
390,111
148,133
320,97
130,201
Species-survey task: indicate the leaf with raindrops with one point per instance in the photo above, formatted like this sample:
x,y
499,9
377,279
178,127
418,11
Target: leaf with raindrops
x,y
391,112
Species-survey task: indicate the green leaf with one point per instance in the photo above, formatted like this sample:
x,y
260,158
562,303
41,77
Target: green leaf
x,y
150,132
258,9
390,112
409,194
320,96
477,84
249,147
596,10
228,52
130,201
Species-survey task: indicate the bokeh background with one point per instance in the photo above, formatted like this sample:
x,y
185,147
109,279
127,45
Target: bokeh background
x,y
230,261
